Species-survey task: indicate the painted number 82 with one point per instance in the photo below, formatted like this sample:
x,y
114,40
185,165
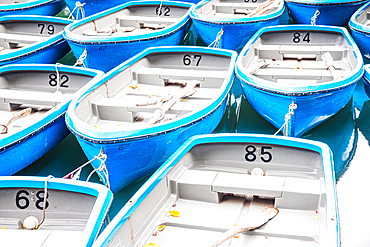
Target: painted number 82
x,y
252,153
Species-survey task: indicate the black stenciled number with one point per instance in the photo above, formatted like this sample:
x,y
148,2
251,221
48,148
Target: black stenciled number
x,y
250,155
165,12
50,28
64,83
199,58
41,200
307,38
297,37
187,59
265,153
53,80
253,1
23,199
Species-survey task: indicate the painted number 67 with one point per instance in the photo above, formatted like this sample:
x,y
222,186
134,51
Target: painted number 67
x,y
252,153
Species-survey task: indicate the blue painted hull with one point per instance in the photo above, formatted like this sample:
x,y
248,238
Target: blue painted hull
x,y
134,154
99,211
21,149
315,104
119,49
236,31
38,7
91,7
359,31
117,228
334,13
44,52
367,80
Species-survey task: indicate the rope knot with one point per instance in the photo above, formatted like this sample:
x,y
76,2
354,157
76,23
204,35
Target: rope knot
x,y
216,42
79,6
80,60
313,18
292,107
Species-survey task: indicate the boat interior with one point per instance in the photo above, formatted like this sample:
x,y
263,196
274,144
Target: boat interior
x,y
15,34
37,91
134,20
65,219
210,191
298,58
131,97
4,2
364,17
229,8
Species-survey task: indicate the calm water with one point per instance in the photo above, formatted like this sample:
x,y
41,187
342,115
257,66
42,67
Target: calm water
x,y
347,133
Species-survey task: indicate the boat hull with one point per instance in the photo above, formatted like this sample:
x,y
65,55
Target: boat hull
x,y
313,103
312,109
234,36
331,13
78,206
20,149
48,51
367,80
121,48
39,7
18,155
187,184
131,160
236,31
360,30
120,52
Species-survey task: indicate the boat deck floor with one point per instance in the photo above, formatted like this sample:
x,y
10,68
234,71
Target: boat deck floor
x,y
200,224
137,103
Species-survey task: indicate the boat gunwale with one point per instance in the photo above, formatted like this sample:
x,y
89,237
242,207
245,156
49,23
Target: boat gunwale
x,y
267,85
69,35
27,5
87,132
37,46
50,116
234,20
353,24
323,149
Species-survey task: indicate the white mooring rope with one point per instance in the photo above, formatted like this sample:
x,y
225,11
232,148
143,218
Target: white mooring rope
x,y
80,9
292,107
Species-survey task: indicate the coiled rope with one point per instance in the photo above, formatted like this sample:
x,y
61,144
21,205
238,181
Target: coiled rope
x,y
292,107
79,7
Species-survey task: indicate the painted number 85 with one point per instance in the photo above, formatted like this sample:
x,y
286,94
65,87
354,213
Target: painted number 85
x,y
253,153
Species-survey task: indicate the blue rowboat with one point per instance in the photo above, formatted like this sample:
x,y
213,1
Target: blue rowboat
x,y
145,108
360,30
32,39
85,8
32,108
123,31
230,24
215,181
367,79
31,7
298,76
323,12
71,214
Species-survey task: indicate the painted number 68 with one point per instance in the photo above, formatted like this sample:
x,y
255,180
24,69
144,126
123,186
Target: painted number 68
x,y
254,152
